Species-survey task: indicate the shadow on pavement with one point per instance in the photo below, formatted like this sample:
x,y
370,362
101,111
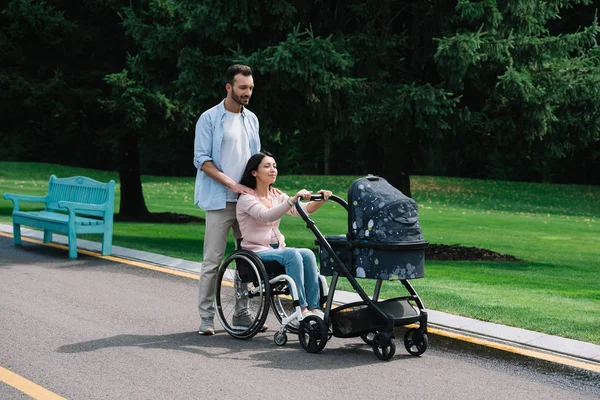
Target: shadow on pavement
x,y
260,348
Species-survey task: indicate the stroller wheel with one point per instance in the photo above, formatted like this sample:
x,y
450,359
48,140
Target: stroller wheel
x,y
368,337
384,347
415,342
312,334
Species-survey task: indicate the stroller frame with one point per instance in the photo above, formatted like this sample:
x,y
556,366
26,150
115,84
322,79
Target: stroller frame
x,y
381,316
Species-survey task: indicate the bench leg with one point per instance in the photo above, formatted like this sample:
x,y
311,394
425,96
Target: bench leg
x,y
47,236
72,244
106,244
17,234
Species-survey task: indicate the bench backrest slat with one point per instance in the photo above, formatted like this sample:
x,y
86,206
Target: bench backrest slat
x,y
80,189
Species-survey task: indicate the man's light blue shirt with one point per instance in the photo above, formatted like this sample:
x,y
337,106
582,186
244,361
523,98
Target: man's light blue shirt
x,y
210,194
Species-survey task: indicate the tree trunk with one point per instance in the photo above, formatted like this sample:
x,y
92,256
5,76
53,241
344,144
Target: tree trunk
x,y
396,175
395,163
327,153
133,206
400,180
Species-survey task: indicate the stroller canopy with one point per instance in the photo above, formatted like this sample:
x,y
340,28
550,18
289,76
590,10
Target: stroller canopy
x,y
381,213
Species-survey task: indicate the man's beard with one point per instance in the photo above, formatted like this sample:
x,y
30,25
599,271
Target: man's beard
x,y
239,100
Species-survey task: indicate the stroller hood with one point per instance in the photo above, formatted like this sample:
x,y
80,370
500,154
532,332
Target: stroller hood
x,y
378,212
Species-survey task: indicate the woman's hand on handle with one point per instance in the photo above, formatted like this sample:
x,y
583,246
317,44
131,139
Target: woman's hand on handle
x,y
302,194
326,194
315,205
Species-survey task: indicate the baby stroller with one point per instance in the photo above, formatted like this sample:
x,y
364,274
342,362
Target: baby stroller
x,y
384,242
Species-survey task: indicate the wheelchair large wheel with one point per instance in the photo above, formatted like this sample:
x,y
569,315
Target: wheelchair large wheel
x,y
283,304
242,297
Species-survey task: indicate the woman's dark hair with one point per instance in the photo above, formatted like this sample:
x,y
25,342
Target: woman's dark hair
x,y
248,179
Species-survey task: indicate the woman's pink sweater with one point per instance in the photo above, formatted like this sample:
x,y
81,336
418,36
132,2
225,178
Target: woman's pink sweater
x,y
258,222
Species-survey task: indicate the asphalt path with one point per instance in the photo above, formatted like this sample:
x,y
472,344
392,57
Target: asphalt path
x,y
96,329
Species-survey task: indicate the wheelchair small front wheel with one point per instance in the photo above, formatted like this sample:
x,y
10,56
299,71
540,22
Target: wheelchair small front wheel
x,y
312,334
280,338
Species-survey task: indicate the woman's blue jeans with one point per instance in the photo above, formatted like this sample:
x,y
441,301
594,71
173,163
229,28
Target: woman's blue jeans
x,y
301,266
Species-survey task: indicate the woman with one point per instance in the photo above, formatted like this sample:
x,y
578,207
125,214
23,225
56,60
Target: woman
x,y
259,215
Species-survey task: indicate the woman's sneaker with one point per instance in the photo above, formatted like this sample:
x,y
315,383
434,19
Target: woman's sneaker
x,y
318,313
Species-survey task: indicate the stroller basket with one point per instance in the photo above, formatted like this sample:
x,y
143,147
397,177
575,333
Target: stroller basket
x,y
355,319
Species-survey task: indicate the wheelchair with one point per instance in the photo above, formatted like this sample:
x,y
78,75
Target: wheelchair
x,y
246,283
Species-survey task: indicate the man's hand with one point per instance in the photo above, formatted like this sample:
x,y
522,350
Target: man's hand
x,y
241,189
214,173
274,191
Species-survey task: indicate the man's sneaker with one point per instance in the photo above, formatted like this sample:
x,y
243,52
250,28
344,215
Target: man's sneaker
x,y
207,327
318,313
244,321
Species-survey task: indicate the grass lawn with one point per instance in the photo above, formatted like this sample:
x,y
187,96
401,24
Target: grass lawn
x,y
555,228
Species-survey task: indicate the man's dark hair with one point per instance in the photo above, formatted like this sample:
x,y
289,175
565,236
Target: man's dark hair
x,y
253,163
235,69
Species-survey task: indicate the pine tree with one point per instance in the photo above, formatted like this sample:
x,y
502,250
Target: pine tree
x,y
527,95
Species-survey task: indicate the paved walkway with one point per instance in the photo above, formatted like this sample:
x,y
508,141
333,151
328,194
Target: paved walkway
x,y
437,319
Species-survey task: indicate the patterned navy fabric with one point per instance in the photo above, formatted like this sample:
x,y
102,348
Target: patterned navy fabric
x,y
389,263
384,234
381,213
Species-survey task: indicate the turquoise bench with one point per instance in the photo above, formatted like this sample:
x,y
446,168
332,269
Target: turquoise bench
x,y
73,205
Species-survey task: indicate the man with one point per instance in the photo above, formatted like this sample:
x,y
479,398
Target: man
x,y
226,137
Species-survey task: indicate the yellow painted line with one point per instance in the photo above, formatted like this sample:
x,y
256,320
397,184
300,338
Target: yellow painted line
x,y
110,258
26,386
517,350
435,331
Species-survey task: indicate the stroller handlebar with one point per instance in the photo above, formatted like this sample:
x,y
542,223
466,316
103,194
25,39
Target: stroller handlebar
x,y
319,197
